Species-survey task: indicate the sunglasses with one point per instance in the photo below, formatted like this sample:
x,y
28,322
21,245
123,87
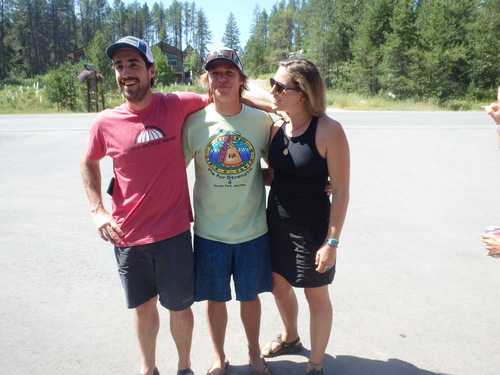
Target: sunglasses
x,y
226,53
280,87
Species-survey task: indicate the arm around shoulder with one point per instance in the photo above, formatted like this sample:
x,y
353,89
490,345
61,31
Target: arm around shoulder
x,y
257,103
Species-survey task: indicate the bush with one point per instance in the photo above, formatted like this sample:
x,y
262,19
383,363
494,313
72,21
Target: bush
x,y
61,86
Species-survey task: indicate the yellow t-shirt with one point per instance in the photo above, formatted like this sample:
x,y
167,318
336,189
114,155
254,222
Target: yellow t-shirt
x,y
229,193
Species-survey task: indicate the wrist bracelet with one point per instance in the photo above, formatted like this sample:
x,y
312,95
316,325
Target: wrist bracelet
x,y
332,242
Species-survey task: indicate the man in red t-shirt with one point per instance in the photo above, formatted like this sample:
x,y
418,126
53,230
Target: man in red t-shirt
x,y
151,211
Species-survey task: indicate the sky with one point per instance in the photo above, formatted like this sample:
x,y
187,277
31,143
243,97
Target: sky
x,y
217,13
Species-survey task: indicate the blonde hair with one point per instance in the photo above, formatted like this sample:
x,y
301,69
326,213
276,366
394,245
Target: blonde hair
x,y
308,79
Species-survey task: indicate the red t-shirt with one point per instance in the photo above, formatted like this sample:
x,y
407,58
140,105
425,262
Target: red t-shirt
x,y
150,199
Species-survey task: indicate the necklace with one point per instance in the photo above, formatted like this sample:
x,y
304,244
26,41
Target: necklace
x,y
288,139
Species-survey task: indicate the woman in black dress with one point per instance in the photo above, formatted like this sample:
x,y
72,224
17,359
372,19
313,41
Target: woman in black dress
x,y
306,151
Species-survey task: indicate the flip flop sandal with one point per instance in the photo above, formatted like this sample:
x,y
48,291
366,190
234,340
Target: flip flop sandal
x,y
155,372
266,371
186,371
292,347
315,372
222,371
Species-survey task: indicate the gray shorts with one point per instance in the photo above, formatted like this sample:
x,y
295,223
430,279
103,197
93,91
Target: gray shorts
x,y
164,268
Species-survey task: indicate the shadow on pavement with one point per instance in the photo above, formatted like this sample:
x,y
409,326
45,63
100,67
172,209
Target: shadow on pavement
x,y
340,365
350,365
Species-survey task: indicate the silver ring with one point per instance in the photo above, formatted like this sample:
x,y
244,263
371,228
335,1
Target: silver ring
x,y
327,268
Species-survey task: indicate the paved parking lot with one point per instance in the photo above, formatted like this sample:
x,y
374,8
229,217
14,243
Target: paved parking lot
x,y
414,292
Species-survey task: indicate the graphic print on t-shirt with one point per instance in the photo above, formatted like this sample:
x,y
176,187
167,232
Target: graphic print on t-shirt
x,y
230,153
149,133
148,137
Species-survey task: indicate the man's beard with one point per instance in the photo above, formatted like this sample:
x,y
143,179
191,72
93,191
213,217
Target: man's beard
x,y
138,94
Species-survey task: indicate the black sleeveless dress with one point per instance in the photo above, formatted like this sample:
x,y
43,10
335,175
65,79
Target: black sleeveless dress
x,y
298,207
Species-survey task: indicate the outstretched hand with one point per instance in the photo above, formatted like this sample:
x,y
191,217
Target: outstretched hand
x,y
492,243
494,109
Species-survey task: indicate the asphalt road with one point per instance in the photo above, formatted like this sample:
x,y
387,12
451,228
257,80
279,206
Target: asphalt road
x,y
414,292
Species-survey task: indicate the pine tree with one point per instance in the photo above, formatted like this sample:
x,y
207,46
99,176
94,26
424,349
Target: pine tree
x,y
280,40
398,53
189,22
119,20
443,64
484,42
61,30
30,27
231,37
254,55
158,20
318,33
345,17
4,25
202,35
367,46
174,13
416,49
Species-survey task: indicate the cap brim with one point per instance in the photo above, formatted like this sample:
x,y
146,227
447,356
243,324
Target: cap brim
x,y
207,65
115,47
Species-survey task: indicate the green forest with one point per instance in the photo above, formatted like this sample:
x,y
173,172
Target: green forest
x,y
408,49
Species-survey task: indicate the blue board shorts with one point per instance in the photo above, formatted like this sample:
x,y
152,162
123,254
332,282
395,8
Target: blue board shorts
x,y
164,268
249,263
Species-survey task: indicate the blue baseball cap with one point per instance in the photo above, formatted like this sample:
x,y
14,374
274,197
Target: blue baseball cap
x,y
133,43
